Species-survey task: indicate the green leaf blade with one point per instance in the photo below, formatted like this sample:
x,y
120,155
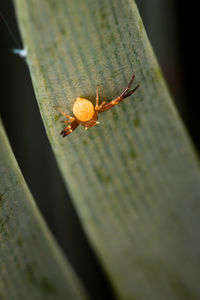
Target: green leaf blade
x,y
31,264
134,178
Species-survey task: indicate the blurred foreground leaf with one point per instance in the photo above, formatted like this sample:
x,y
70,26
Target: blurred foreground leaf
x,y
134,179
31,264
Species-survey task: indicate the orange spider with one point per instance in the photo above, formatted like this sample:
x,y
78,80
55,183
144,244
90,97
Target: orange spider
x,y
86,113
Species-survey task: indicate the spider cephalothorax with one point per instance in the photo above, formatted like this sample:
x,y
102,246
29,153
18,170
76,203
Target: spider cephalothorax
x,y
86,113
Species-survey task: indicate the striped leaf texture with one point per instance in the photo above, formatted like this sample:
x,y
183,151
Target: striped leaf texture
x,y
134,179
31,264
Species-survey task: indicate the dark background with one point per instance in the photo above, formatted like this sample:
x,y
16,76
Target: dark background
x,y
172,29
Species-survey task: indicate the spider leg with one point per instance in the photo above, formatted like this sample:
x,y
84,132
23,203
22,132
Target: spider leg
x,y
97,106
125,93
97,98
130,92
68,121
128,86
100,106
67,130
65,114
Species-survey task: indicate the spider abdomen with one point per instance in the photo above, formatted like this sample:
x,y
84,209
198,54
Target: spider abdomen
x,y
83,109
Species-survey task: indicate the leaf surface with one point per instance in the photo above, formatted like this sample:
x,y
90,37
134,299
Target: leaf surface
x,y
31,264
134,178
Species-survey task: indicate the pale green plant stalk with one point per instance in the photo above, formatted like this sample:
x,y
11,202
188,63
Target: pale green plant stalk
x,y
31,264
134,179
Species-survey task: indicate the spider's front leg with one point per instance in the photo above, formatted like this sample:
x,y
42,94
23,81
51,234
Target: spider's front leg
x,y
125,93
